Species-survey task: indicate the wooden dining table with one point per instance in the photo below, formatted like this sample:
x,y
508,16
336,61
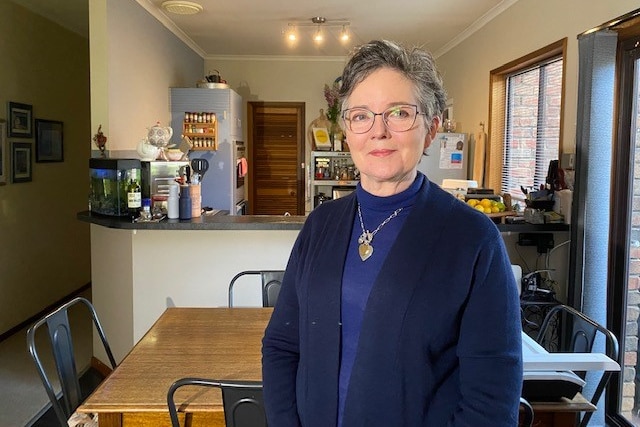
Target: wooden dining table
x,y
225,343
216,343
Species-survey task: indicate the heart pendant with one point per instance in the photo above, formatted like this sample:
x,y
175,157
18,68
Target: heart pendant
x,y
365,251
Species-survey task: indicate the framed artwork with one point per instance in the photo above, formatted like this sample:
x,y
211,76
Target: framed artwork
x,y
20,162
20,120
49,141
3,155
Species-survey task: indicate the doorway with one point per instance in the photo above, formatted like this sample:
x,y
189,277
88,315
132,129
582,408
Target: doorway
x,y
276,155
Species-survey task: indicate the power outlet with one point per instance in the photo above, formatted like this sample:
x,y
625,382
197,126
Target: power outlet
x,y
542,241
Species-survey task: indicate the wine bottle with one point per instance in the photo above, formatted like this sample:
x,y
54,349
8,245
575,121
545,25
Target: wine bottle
x,y
134,194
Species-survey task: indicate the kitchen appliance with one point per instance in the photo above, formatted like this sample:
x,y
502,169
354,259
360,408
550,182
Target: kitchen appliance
x,y
446,158
157,176
108,184
223,183
338,192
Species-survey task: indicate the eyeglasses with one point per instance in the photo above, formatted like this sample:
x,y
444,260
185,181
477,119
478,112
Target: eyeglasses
x,y
399,118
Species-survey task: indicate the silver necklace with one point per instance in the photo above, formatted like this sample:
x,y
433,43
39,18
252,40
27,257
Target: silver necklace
x,y
364,248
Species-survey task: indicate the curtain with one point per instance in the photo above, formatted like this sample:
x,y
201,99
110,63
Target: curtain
x,y
590,216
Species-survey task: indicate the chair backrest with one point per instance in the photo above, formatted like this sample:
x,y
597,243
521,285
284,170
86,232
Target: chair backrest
x,y
242,401
62,347
566,329
271,283
526,413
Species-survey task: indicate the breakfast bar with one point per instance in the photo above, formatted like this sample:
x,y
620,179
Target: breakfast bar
x,y
141,268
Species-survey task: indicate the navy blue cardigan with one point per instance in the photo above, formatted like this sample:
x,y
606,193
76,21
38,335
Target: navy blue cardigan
x,y
440,341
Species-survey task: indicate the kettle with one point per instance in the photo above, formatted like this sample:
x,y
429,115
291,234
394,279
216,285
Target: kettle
x,y
159,136
147,152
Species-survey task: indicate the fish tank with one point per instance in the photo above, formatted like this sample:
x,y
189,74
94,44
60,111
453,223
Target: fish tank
x,y
109,179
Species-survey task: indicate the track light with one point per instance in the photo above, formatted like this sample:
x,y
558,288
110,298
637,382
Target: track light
x,y
344,34
320,24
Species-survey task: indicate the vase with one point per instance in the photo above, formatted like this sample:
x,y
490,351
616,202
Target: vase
x,y
336,136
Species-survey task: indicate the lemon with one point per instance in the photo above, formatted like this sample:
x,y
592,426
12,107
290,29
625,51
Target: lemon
x,y
479,207
486,203
472,202
501,206
495,209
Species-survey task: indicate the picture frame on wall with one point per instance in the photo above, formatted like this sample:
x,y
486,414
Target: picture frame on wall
x,y
21,162
20,120
49,141
3,155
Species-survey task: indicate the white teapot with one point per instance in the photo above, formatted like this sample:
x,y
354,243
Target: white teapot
x,y
159,136
147,152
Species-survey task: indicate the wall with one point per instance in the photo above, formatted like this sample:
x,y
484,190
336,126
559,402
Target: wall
x,y
134,62
524,27
44,250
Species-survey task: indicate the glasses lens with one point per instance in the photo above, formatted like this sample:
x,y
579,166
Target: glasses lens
x,y
400,118
359,120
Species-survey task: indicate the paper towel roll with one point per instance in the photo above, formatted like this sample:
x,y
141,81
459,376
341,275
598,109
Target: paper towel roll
x,y
566,199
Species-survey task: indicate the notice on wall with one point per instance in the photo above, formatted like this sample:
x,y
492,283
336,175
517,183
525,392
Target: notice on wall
x,y
451,151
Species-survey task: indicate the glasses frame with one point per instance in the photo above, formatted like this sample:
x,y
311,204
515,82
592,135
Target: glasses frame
x,y
384,119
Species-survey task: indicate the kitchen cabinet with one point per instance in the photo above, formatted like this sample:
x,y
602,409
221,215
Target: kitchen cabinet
x,y
202,130
333,175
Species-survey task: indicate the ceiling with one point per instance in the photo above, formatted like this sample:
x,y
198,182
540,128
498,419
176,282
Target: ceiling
x,y
256,27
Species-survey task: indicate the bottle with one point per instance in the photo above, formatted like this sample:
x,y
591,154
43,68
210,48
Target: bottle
x,y
173,205
134,194
196,200
145,213
185,202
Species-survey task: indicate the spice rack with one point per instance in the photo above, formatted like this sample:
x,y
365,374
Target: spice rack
x,y
202,130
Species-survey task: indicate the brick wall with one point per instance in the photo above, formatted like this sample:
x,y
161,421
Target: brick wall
x,y
630,397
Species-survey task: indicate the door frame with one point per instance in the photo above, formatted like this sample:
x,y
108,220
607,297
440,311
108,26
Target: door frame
x,y
300,145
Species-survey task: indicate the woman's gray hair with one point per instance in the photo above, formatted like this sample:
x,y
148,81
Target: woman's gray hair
x,y
415,64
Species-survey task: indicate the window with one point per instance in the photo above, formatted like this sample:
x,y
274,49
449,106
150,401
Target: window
x,y
525,131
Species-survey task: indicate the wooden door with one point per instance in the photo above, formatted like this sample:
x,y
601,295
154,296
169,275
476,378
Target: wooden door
x,y
276,154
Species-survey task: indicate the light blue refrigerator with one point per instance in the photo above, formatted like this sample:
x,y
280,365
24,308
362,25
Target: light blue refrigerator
x,y
222,185
446,158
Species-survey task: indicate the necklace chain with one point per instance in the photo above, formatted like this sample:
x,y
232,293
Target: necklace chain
x,y
365,249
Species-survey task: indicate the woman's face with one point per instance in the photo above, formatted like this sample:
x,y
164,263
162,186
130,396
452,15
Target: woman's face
x,y
387,160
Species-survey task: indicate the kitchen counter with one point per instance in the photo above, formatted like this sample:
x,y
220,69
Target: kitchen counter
x,y
221,221
218,221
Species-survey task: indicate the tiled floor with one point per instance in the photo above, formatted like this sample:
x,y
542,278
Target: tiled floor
x,y
22,396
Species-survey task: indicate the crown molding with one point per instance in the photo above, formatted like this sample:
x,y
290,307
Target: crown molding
x,y
477,25
341,59
171,26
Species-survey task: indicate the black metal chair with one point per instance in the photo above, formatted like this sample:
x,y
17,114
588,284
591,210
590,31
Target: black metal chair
x,y
242,401
271,283
566,329
62,347
526,413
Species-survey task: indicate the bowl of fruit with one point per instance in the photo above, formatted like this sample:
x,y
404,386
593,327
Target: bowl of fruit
x,y
488,206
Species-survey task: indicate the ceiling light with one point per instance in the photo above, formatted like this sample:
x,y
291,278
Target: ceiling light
x,y
320,23
317,36
181,7
344,34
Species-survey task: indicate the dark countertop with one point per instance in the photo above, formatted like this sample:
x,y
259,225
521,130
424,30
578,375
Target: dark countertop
x,y
219,221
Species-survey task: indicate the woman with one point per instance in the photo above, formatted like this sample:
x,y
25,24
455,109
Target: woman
x,y
398,305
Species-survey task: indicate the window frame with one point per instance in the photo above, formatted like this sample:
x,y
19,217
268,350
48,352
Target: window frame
x,y
497,105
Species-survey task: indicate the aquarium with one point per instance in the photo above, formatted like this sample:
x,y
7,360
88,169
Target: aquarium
x,y
109,181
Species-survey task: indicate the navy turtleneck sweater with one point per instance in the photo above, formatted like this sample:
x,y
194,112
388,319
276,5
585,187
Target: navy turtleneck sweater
x,y
359,276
